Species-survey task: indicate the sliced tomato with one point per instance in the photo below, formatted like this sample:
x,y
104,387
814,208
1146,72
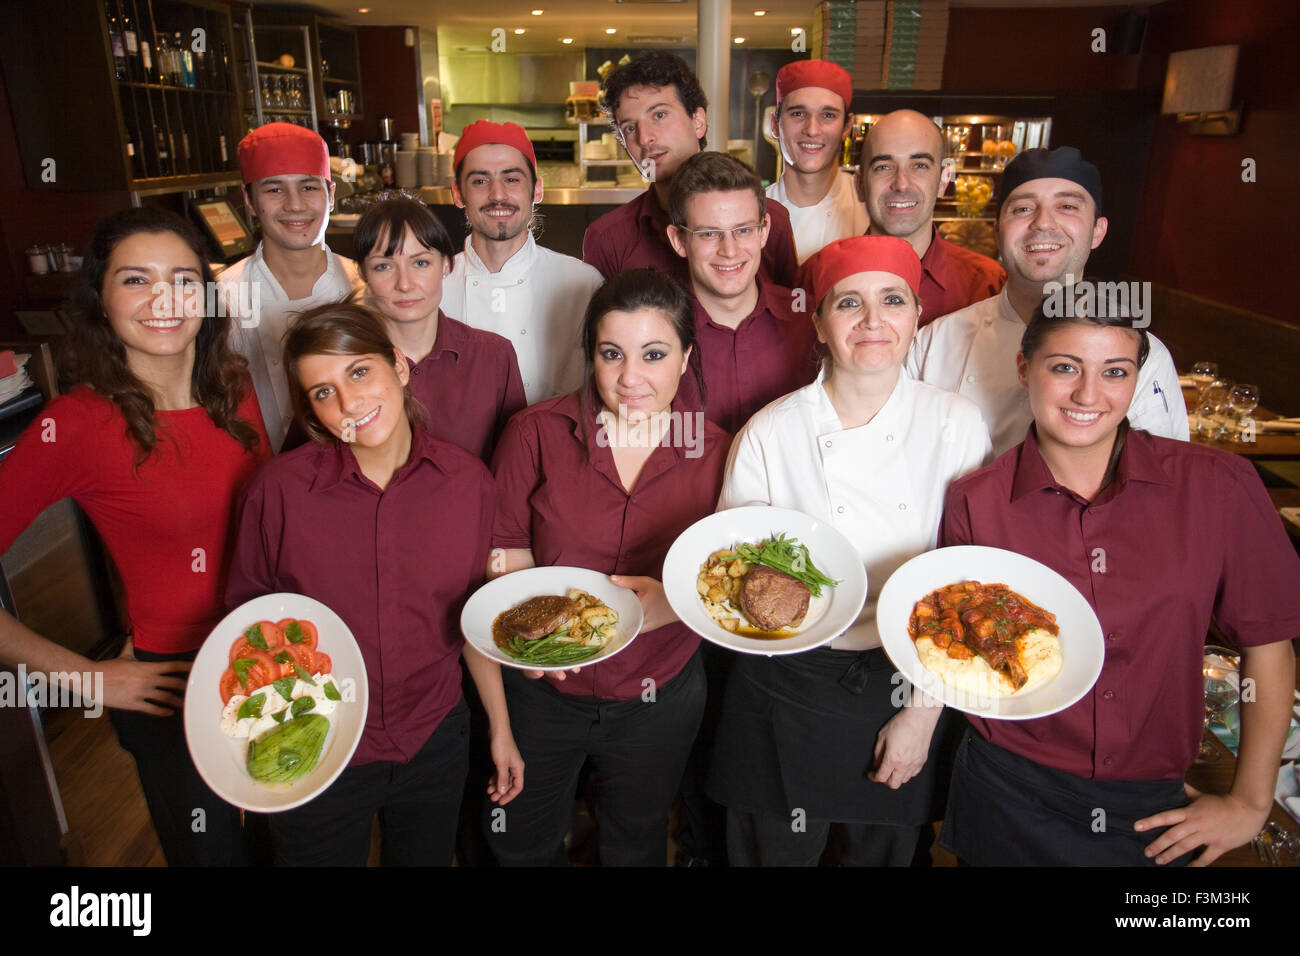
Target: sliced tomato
x,y
303,656
273,633
309,635
229,685
323,664
263,671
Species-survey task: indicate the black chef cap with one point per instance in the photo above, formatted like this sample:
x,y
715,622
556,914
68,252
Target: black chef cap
x,y
1064,162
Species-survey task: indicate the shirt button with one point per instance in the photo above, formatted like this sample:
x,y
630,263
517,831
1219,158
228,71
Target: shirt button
x,y
1110,636
828,443
970,379
840,509
902,506
1108,761
1109,695
476,283
523,331
275,362
889,438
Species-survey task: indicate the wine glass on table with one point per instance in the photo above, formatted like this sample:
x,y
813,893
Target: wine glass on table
x,y
1203,373
1242,400
1220,668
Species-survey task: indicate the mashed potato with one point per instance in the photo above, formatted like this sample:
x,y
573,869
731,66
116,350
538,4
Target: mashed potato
x,y
1040,653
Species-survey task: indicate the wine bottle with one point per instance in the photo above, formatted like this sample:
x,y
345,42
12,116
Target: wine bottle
x,y
146,62
132,45
185,58
164,152
115,42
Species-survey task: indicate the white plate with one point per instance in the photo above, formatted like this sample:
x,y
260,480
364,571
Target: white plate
x,y
220,758
503,593
830,551
1082,647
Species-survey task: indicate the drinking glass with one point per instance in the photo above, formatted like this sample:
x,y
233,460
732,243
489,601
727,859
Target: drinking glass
x,y
1220,668
1203,373
1242,400
266,91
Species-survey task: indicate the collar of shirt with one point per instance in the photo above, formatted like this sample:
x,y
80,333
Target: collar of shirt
x,y
337,463
648,211
516,268
935,261
828,420
452,338
335,271
1137,462
772,299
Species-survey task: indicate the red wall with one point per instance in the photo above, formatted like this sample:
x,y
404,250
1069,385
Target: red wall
x,y
390,82
1038,51
1201,228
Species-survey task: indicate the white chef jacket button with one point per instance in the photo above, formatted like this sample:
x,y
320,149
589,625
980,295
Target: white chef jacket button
x,y
828,443
519,281
902,506
523,331
970,378
889,438
840,509
528,384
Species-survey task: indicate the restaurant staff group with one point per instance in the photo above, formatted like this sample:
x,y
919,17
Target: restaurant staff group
x,y
386,434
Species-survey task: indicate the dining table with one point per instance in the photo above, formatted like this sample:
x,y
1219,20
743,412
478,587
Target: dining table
x,y
1264,445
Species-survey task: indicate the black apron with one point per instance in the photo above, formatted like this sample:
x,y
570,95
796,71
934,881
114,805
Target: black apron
x,y
799,732
1007,810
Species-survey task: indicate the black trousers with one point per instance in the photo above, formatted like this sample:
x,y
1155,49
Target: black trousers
x,y
195,827
417,803
639,749
1006,810
769,838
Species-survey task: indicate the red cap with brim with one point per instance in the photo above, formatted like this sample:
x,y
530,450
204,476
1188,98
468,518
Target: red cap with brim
x,y
820,73
485,132
847,257
283,149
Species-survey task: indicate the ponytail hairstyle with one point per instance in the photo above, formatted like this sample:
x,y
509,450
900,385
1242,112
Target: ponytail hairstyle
x,y
94,356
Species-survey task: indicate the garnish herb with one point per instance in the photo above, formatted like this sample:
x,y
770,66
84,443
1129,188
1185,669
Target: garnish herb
x,y
331,692
788,556
241,667
302,705
293,633
251,707
284,687
254,637
303,675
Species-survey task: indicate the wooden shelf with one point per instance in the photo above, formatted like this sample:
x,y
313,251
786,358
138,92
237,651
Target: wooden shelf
x,y
282,69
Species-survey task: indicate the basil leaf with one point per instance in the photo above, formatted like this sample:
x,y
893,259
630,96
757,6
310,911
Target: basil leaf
x,y
241,667
332,692
278,716
282,658
251,707
254,636
294,633
284,687
303,675
301,706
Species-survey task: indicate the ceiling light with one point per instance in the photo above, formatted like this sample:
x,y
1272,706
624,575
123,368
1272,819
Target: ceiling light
x,y
520,31
363,9
538,13
760,13
795,31
737,39
566,40
611,29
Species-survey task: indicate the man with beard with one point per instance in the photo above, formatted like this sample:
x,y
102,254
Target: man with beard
x,y
287,187
901,177
657,109
504,282
812,114
1048,223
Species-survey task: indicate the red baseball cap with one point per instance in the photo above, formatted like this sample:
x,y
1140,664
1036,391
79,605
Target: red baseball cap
x,y
283,149
485,132
847,257
820,73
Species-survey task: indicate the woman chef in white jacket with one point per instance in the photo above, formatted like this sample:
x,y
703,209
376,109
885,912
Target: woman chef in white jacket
x,y
811,739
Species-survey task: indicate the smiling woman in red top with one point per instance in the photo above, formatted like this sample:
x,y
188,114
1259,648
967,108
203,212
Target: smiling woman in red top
x,y
153,444
352,519
1160,536
607,478
467,379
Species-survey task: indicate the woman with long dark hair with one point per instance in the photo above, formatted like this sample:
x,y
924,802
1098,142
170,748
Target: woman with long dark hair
x,y
153,442
389,527
606,478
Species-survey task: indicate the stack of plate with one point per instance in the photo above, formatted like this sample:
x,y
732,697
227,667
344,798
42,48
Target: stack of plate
x,y
17,380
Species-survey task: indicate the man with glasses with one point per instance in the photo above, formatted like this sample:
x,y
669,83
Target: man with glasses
x,y
657,109
755,345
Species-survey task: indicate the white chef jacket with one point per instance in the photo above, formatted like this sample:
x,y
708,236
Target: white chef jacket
x,y
973,352
839,215
881,484
537,301
263,344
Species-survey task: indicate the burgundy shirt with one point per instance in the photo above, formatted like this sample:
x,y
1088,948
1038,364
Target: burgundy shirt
x,y
770,354
635,235
953,277
470,385
396,565
1186,534
575,513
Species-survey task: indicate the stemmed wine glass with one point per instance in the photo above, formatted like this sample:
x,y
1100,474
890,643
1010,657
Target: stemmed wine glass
x,y
1242,400
1220,667
1203,373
